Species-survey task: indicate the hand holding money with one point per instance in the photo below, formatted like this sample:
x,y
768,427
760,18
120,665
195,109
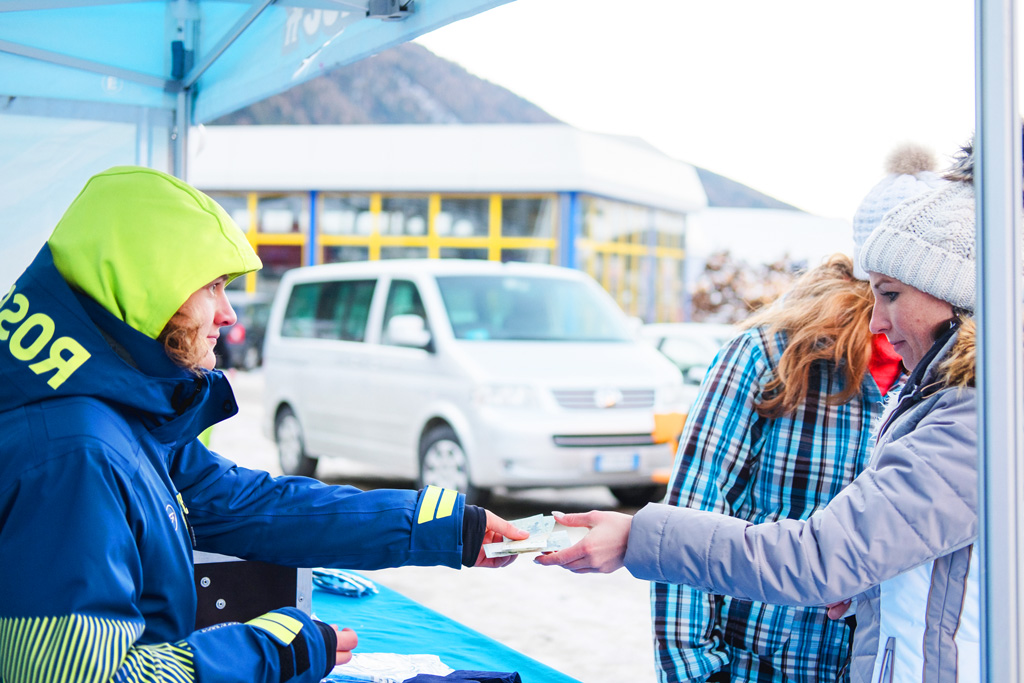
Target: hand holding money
x,y
603,549
545,535
497,528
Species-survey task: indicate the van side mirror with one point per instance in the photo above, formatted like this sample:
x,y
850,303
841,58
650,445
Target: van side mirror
x,y
408,330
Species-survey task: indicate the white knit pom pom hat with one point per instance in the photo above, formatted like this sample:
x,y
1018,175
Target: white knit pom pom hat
x,y
927,242
910,170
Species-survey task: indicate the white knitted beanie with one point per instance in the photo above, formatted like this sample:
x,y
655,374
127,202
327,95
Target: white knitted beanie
x,y
927,242
910,170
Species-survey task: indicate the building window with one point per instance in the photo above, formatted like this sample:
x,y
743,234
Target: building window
x,y
347,214
404,216
284,213
277,258
631,250
464,253
528,217
344,253
528,255
403,252
463,217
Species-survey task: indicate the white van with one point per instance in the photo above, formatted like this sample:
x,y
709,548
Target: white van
x,y
466,374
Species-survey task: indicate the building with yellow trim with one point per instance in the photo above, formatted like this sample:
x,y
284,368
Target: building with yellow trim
x,y
613,207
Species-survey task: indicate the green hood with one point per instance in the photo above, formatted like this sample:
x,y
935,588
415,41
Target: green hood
x,y
140,242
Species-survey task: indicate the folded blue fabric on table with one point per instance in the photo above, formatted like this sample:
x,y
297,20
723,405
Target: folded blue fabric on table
x,y
475,676
344,583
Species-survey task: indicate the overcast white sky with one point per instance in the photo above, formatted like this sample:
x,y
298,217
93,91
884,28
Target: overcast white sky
x,y
800,99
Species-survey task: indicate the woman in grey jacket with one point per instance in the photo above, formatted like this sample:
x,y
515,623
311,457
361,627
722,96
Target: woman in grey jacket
x,y
899,538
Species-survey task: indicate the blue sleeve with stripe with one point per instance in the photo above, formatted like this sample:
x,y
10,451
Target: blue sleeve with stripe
x,y
70,610
298,521
283,646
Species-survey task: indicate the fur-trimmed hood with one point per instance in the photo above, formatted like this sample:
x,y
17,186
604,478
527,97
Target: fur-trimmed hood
x,y
962,168
959,366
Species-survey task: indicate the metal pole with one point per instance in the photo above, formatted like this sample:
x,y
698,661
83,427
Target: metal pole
x,y
179,145
1000,378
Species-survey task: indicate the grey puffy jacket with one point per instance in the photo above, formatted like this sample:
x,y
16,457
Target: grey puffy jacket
x,y
915,506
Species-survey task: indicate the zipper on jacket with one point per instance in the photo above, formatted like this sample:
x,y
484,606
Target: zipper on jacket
x,y
888,661
184,520
844,670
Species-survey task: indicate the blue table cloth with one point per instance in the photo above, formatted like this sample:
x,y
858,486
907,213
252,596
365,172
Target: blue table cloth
x,y
391,622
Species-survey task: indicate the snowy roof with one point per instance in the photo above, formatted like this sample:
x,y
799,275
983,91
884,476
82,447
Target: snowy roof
x,y
454,158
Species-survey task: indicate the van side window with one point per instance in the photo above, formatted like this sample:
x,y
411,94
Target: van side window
x,y
403,299
329,310
300,314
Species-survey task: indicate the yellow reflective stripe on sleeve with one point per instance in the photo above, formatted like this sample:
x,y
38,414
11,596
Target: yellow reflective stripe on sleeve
x,y
280,626
447,503
430,498
82,649
163,662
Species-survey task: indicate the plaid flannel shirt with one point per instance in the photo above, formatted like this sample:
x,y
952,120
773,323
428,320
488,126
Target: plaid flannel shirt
x,y
733,461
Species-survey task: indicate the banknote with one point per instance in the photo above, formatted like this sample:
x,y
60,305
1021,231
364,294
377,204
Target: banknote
x,y
537,524
534,544
549,537
572,535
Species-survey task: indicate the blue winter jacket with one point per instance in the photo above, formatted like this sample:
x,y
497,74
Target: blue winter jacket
x,y
103,482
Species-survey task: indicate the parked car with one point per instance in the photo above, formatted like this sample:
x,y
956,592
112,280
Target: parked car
x,y
465,374
690,346
241,344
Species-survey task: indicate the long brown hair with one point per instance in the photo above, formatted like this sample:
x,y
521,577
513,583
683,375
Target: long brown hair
x,y
183,343
825,316
958,367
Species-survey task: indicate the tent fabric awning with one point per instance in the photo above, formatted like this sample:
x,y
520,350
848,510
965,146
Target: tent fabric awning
x,y
225,53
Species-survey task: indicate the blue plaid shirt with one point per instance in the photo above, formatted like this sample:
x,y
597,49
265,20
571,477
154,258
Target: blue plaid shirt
x,y
733,461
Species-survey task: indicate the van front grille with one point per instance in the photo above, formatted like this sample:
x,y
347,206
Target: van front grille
x,y
602,440
591,399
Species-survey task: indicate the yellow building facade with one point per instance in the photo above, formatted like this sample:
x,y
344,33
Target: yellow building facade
x,y
616,209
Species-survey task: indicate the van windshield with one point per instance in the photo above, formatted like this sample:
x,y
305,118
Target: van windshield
x,y
482,307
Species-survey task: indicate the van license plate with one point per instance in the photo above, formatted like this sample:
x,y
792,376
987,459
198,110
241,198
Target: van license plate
x,y
617,462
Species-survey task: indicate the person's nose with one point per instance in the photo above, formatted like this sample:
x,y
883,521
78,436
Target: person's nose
x,y
225,313
878,323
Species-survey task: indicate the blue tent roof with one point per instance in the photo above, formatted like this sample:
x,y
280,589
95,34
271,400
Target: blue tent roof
x,y
89,84
196,59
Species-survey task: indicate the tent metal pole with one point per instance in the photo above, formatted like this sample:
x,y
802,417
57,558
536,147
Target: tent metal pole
x,y
82,64
225,42
999,371
179,143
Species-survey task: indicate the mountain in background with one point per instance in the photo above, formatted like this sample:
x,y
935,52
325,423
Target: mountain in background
x,y
724,192
409,84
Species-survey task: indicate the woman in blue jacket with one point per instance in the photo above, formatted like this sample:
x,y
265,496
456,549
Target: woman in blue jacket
x,y
106,359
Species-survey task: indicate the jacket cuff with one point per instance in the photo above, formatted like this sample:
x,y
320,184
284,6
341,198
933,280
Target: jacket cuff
x,y
330,642
474,525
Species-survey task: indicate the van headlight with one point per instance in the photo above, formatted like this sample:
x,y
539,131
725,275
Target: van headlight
x,y
505,396
670,398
